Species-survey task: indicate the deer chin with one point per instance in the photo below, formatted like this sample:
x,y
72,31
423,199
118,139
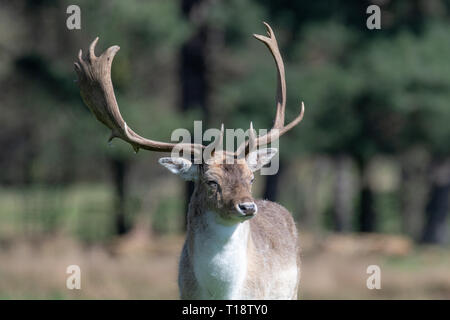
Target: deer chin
x,y
230,217
237,216
244,217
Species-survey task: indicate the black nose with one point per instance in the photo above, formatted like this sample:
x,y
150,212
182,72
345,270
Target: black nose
x,y
247,208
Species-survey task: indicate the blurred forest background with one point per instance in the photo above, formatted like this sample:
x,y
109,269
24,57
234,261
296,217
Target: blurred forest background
x,y
366,175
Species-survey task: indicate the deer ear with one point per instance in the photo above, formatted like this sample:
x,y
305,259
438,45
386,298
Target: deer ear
x,y
181,167
257,159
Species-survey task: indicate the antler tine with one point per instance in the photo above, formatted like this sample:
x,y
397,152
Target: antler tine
x,y
251,138
216,145
248,145
96,89
92,56
220,140
278,128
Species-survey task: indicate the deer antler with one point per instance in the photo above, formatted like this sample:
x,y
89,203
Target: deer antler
x,y
278,128
96,88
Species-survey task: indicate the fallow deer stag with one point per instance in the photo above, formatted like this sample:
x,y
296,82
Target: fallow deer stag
x,y
236,247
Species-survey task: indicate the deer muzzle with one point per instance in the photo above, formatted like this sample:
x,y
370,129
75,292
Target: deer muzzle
x,y
247,209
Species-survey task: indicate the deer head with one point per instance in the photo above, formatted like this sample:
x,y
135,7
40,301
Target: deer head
x,y
225,187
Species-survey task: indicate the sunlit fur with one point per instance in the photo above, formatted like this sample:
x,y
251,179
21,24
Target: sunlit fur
x,y
228,257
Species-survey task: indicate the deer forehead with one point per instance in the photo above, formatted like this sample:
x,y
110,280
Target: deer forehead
x,y
224,157
224,167
236,173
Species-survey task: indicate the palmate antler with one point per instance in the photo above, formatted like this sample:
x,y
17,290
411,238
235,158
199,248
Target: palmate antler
x,y
94,78
278,128
96,88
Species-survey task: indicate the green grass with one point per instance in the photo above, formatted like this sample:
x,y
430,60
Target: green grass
x,y
421,258
83,210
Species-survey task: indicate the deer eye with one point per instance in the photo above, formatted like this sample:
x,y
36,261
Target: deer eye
x,y
212,184
251,181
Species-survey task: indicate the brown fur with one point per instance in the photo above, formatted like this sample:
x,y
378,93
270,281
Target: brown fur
x,y
273,234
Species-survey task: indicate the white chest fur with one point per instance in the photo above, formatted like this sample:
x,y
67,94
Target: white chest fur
x,y
220,262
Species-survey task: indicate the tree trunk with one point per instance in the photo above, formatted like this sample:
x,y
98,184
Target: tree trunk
x,y
29,157
193,71
342,211
120,171
367,217
312,182
272,184
436,228
414,189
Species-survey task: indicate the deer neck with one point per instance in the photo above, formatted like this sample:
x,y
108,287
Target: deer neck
x,y
218,250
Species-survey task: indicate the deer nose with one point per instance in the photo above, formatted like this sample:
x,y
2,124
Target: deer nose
x,y
247,208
